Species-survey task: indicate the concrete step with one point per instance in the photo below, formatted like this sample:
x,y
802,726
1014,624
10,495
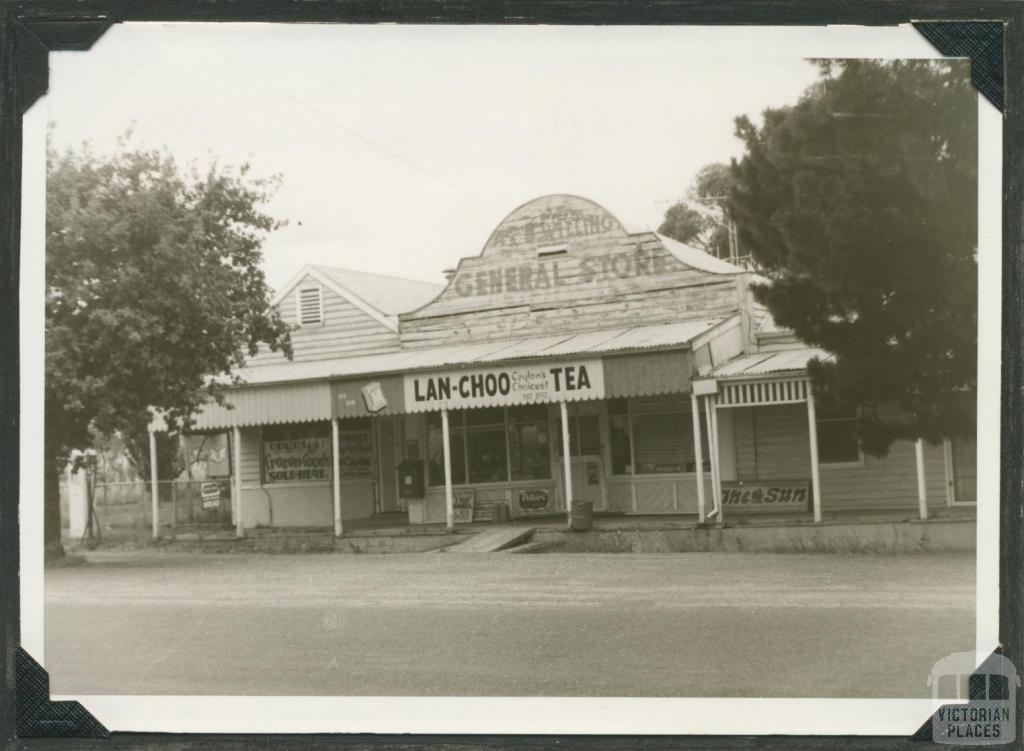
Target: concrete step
x,y
494,539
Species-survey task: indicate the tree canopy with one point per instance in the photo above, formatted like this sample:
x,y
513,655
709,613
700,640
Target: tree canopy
x,y
700,219
153,284
859,203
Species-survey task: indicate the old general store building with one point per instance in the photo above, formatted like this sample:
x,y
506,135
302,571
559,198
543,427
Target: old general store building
x,y
570,358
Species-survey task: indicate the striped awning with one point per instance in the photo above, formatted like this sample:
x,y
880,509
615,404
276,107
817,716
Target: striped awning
x,y
765,378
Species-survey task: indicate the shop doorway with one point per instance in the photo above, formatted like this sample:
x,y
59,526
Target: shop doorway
x,y
387,466
357,468
585,463
587,479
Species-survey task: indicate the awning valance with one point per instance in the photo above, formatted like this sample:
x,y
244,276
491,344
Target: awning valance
x,y
636,361
268,405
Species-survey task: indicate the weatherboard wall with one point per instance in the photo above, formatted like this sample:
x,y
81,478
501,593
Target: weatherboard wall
x,y
564,264
772,443
346,330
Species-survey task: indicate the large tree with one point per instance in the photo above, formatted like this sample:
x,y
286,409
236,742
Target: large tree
x,y
700,219
859,203
153,284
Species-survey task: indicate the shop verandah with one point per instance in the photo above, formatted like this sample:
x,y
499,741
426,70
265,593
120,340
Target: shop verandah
x,y
771,457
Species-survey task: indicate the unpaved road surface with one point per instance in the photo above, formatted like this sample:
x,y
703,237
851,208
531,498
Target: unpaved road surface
x,y
703,624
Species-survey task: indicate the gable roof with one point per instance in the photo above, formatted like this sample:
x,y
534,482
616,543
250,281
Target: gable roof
x,y
379,296
390,295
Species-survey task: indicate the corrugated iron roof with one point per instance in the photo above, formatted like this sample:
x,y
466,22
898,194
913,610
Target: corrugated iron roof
x,y
390,295
697,258
764,363
282,403
585,343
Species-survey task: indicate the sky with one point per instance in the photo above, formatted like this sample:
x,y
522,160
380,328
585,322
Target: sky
x,y
400,148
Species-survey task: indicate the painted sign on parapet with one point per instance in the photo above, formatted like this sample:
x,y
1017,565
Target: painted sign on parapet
x,y
538,383
546,223
767,496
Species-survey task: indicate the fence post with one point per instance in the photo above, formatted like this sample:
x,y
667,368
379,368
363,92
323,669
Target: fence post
x,y
156,487
174,503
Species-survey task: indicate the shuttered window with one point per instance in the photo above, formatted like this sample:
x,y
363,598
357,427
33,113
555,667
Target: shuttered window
x,y
654,435
309,304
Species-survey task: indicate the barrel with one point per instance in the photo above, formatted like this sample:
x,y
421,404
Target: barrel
x,y
582,517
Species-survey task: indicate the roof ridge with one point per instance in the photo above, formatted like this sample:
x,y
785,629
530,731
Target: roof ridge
x,y
326,268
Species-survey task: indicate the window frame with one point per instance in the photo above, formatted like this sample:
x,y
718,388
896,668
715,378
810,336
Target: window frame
x,y
459,424
293,483
848,463
373,473
630,414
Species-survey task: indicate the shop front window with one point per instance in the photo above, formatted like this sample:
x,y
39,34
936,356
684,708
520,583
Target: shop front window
x,y
528,442
486,449
435,449
584,436
299,452
491,445
355,450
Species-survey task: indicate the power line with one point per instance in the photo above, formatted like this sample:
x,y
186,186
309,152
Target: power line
x,y
366,139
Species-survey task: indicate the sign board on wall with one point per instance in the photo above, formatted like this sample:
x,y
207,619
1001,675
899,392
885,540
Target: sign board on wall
x,y
557,246
534,501
792,495
297,460
462,505
551,220
210,493
504,386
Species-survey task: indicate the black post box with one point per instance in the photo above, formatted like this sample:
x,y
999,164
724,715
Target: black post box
x,y
410,479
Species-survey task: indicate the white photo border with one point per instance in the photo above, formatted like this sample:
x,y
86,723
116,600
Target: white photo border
x,y
543,715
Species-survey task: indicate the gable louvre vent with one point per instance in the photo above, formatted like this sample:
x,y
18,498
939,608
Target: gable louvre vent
x,y
309,302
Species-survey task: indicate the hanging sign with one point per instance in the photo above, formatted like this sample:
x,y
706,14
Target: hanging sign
x,y
210,493
373,397
776,495
508,385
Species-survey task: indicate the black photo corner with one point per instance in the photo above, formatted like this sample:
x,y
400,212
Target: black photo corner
x,y
29,31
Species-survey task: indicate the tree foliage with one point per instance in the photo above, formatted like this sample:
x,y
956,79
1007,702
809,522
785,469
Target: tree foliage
x,y
153,284
699,219
859,205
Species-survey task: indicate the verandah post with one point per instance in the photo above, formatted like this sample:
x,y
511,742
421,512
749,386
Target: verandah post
x,y
566,462
716,491
922,487
812,430
155,488
236,436
698,456
335,451
449,502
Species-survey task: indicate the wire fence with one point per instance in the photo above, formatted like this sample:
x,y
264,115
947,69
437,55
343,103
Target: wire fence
x,y
127,507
